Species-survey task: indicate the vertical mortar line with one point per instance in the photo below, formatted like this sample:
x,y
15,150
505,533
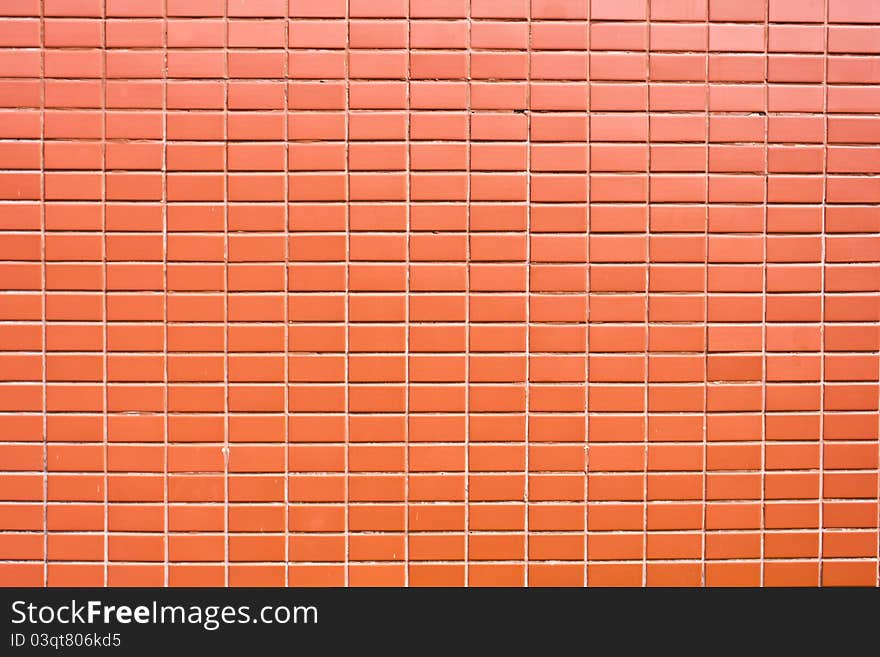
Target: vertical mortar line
x,y
587,272
105,327
704,566
43,341
164,209
528,290
407,300
822,298
766,118
647,295
44,422
347,326
467,311
286,332
226,294
877,325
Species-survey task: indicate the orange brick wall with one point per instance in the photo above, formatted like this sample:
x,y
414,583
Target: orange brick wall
x,y
417,292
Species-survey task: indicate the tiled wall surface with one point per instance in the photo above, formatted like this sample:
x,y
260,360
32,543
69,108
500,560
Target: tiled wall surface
x,y
421,292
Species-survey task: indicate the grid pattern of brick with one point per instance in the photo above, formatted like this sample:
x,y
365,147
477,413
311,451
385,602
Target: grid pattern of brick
x,y
421,292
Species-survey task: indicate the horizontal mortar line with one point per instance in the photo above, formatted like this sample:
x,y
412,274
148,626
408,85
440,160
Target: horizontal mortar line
x,y
257,353
180,76
263,233
429,533
696,294
354,474
515,109
365,384
478,293
791,413
401,18
395,48
449,323
522,561
426,533
449,443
